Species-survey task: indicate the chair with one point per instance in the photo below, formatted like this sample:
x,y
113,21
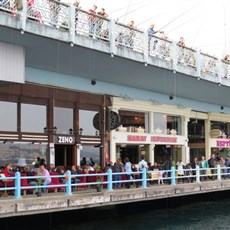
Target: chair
x,y
24,183
54,181
82,181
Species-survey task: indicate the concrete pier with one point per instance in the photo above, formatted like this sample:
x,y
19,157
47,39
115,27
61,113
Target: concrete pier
x,y
55,202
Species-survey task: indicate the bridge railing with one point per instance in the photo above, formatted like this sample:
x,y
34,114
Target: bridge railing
x,y
9,6
126,36
91,25
79,22
160,47
109,180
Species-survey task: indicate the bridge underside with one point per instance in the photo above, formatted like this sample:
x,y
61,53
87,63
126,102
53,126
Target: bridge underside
x,y
56,56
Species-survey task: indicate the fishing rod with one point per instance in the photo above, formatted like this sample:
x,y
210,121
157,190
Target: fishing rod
x,y
174,19
114,11
165,12
135,9
127,10
175,28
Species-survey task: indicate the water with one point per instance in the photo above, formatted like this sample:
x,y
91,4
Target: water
x,y
190,213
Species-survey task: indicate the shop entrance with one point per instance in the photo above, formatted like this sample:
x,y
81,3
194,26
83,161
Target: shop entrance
x,y
132,152
64,155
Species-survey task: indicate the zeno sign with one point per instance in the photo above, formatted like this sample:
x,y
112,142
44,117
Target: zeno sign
x,y
65,140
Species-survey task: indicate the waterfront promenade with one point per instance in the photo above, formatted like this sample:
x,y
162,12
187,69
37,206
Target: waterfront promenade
x,y
55,202
86,196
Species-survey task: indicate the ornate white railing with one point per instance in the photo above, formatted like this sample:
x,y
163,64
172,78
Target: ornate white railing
x,y
91,25
76,21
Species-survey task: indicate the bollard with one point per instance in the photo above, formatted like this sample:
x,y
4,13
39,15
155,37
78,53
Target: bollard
x,y
18,185
218,173
110,180
197,174
144,178
173,175
68,183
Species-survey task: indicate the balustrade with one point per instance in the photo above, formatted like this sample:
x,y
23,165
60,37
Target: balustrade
x,y
80,23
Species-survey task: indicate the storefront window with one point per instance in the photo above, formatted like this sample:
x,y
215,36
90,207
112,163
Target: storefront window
x,y
63,119
219,129
86,122
167,124
196,131
134,121
33,118
8,116
89,151
21,154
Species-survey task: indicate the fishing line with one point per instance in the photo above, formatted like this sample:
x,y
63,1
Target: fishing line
x,y
155,16
180,15
135,10
198,31
127,10
175,28
114,11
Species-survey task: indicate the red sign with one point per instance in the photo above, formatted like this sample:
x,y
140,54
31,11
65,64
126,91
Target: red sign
x,y
163,139
136,138
223,143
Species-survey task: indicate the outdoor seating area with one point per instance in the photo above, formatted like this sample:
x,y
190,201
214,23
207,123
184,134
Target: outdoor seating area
x,y
10,186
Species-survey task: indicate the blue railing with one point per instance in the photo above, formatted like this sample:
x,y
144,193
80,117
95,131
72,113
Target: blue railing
x,y
76,21
107,180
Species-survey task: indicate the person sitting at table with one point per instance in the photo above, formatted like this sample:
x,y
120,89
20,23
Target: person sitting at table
x,y
44,172
7,171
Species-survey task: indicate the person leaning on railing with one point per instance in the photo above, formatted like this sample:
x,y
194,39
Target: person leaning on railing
x,y
203,167
212,162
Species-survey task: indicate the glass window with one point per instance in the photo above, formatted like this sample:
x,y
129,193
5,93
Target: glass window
x,y
63,119
33,118
196,131
21,154
86,122
167,124
89,151
219,129
8,116
134,121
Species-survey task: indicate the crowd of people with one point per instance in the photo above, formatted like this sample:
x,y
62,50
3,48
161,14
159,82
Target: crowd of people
x,y
125,173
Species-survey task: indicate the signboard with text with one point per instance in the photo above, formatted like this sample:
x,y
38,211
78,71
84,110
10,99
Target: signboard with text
x,y
64,140
124,137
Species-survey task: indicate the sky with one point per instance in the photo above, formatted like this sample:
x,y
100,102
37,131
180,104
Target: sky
x,y
205,24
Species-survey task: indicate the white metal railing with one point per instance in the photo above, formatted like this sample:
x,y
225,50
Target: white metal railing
x,y
76,21
129,37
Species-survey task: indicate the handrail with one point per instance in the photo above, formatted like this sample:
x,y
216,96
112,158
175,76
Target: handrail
x,y
108,179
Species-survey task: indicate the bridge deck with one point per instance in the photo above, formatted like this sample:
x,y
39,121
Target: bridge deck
x,y
55,202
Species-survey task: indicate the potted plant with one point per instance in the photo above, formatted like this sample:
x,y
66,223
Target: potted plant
x,y
99,179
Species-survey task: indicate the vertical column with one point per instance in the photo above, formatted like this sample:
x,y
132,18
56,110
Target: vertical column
x,y
146,47
18,186
207,139
198,64
110,180
219,70
185,150
112,33
23,15
72,25
68,183
174,56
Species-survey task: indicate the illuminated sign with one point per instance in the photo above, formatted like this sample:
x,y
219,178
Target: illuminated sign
x,y
136,138
163,139
222,143
65,140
